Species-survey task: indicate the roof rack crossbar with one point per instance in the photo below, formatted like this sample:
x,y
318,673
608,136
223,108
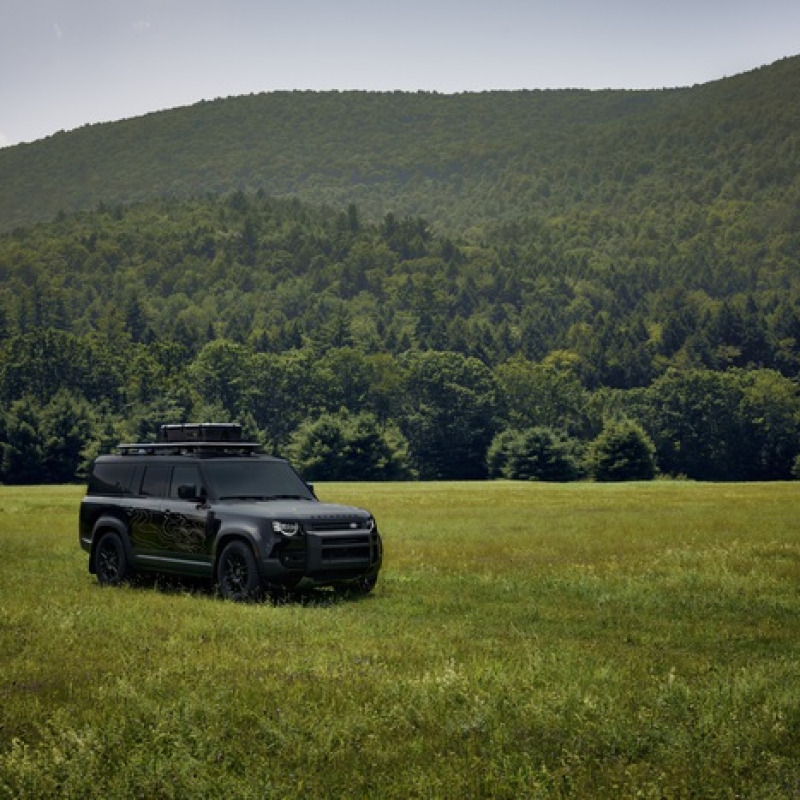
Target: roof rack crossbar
x,y
187,448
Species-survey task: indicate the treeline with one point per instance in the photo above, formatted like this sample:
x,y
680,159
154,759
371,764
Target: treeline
x,y
379,351
343,414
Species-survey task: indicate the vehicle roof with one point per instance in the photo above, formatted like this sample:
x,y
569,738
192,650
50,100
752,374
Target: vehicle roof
x,y
154,454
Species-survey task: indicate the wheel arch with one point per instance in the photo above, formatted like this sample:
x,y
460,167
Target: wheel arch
x,y
235,534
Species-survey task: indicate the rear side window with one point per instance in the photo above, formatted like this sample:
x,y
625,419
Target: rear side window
x,y
111,479
185,474
155,481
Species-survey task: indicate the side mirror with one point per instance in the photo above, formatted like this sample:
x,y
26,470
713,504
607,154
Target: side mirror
x,y
189,491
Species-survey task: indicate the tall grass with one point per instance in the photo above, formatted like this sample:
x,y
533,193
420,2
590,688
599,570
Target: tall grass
x,y
524,640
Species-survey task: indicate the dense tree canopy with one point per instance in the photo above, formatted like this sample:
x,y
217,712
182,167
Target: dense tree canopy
x,y
287,314
482,284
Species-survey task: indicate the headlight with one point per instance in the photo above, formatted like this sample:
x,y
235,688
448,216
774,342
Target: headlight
x,y
370,526
286,528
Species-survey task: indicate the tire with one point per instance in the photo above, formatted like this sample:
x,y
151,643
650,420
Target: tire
x,y
237,573
111,561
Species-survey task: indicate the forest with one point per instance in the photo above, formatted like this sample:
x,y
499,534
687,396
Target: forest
x,y
537,285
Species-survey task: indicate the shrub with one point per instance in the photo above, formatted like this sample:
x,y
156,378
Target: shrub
x,y
622,452
497,456
347,447
533,454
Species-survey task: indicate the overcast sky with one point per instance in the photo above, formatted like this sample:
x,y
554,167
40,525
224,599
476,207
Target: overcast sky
x,y
66,63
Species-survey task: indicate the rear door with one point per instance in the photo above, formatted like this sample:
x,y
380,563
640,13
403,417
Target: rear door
x,y
147,512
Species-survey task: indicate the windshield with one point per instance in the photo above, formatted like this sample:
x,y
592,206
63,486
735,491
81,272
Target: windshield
x,y
255,480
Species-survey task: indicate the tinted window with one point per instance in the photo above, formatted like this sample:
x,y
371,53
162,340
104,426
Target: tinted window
x,y
254,479
184,475
154,483
111,479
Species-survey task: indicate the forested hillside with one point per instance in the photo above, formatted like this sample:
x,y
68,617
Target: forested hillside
x,y
460,161
527,284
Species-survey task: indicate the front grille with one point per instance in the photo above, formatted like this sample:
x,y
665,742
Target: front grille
x,y
331,524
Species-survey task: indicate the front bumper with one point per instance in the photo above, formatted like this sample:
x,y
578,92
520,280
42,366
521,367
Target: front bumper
x,y
324,558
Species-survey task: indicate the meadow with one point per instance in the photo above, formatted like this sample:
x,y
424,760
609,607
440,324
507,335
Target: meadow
x,y
524,641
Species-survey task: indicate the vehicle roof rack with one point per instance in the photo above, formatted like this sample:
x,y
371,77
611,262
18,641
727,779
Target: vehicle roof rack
x,y
194,438
201,432
188,448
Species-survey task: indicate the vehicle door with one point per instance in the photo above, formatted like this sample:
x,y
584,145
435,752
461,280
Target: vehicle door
x,y
147,510
185,532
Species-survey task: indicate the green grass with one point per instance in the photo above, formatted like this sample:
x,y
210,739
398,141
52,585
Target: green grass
x,y
525,640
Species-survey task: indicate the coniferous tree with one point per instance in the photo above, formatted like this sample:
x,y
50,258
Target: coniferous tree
x,y
622,452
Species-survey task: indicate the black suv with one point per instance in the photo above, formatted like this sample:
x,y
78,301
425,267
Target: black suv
x,y
200,501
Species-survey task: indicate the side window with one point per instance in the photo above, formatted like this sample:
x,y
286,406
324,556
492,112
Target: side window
x,y
155,480
185,475
111,479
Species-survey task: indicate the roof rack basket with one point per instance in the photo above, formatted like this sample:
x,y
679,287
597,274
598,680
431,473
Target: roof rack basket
x,y
201,432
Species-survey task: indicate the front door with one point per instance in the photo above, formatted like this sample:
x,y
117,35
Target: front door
x,y
168,532
185,531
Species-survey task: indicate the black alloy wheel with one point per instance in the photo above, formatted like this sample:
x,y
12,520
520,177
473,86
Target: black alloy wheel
x,y
111,562
237,573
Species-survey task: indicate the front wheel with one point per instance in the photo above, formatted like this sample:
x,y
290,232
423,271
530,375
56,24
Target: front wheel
x,y
111,561
237,573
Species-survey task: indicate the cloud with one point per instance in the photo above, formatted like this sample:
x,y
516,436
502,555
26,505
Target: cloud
x,y
141,25
57,29
4,140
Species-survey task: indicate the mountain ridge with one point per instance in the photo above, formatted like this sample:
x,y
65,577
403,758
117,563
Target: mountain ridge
x,y
424,153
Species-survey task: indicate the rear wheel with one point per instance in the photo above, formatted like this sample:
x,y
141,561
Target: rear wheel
x,y
111,561
237,573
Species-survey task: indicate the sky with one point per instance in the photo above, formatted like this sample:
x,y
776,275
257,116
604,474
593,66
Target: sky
x,y
68,63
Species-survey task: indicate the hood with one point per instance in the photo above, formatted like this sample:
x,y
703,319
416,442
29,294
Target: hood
x,y
291,510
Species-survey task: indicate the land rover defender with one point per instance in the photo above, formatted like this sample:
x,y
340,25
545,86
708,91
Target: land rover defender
x,y
200,501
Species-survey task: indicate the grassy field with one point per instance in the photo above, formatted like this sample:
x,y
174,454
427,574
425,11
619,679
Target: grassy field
x,y
634,640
